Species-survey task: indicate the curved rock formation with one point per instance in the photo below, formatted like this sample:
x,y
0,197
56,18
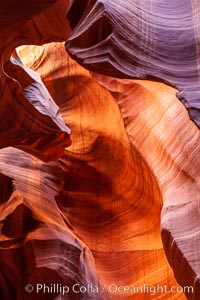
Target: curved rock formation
x,y
156,40
152,124
117,210
32,122
93,190
37,246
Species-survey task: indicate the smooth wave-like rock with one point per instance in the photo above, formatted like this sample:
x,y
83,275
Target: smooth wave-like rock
x,y
120,207
106,180
30,120
37,246
155,40
158,125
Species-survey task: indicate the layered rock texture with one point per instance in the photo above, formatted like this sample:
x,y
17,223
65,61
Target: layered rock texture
x,y
99,159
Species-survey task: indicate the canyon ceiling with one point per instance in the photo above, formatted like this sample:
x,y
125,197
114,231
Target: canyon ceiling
x,y
99,159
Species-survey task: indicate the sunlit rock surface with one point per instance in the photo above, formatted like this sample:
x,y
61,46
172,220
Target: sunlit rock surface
x,y
171,146
153,39
30,120
118,204
37,245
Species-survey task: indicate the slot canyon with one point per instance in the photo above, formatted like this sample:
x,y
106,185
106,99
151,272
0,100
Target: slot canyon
x,y
99,150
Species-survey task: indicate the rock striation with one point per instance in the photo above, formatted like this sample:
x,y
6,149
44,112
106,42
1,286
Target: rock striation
x,y
154,40
30,119
99,168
